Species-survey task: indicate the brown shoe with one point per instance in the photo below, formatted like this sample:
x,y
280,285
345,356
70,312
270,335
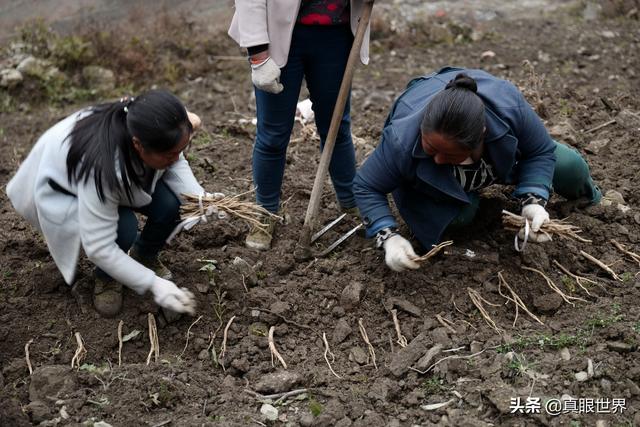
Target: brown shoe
x,y
107,297
260,238
152,263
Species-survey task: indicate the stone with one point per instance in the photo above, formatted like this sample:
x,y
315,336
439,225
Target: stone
x,y
34,67
500,395
548,303
426,360
279,307
404,305
596,145
99,78
620,347
203,355
358,355
351,295
406,357
102,424
565,354
582,376
614,197
51,381
269,412
278,382
246,271
10,78
341,331
475,347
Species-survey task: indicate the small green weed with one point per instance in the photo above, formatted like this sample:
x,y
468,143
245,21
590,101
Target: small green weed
x,y
315,407
434,385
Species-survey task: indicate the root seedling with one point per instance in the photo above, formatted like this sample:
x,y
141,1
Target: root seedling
x,y
80,353
26,355
433,251
120,324
328,352
560,228
634,256
447,324
153,339
273,350
223,349
602,265
402,340
580,280
188,334
515,299
365,337
478,301
567,298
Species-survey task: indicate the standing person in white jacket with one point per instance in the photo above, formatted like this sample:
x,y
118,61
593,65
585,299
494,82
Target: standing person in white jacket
x,y
86,177
288,40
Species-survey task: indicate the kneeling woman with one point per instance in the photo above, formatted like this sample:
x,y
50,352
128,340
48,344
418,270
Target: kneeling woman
x,y
449,135
87,176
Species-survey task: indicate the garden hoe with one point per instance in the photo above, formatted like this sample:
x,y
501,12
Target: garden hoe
x,y
303,247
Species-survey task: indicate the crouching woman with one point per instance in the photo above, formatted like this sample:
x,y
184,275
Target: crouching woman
x,y
88,175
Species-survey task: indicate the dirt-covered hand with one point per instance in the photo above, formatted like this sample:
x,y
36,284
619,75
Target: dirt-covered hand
x,y
167,295
266,76
399,254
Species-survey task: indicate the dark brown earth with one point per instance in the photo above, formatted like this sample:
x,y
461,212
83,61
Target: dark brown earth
x,y
586,74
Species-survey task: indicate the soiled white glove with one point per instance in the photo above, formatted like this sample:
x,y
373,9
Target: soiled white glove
x,y
537,215
266,76
399,254
167,295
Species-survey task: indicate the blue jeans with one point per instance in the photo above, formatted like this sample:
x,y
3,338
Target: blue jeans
x,y
163,214
319,54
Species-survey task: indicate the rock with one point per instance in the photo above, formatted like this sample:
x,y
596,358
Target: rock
x,y
351,295
34,67
279,307
51,381
590,369
475,347
278,382
244,269
341,331
582,376
242,364
602,423
380,389
440,336
358,355
426,360
620,347
184,377
605,385
406,357
487,54
548,303
404,305
632,386
99,78
39,411
203,355
10,78
102,424
565,354
269,412
595,146
614,197
500,395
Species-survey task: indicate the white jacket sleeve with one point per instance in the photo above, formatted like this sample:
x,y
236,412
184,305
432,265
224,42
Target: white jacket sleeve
x,y
98,223
180,179
249,26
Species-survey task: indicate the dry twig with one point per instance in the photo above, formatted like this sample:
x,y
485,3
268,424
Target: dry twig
x,y
448,324
120,324
26,355
223,349
80,353
328,352
554,288
455,356
402,340
602,265
252,213
153,339
561,228
365,337
274,351
578,279
515,299
433,251
624,250
478,301
188,334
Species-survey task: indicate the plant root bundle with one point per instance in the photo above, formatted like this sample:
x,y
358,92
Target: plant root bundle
x,y
433,251
515,299
479,302
560,227
250,212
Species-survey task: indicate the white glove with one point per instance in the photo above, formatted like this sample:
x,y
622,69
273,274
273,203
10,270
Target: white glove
x,y
167,295
399,254
266,76
537,215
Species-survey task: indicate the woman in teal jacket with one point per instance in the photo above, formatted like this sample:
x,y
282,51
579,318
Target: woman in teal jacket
x,y
449,135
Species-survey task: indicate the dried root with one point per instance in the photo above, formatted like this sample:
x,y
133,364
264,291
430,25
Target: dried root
x,y
621,248
560,228
80,353
223,349
26,355
188,334
402,340
602,265
448,324
250,212
328,352
567,298
274,351
433,251
478,301
153,339
365,337
580,280
120,342
515,299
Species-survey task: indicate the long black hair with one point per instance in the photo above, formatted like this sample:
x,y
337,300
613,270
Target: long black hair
x,y
457,112
101,144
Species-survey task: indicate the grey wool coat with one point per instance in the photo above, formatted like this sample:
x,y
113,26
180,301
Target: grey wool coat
x,y
80,219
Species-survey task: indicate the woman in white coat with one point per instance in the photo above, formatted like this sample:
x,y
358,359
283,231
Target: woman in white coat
x,y
288,40
86,177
